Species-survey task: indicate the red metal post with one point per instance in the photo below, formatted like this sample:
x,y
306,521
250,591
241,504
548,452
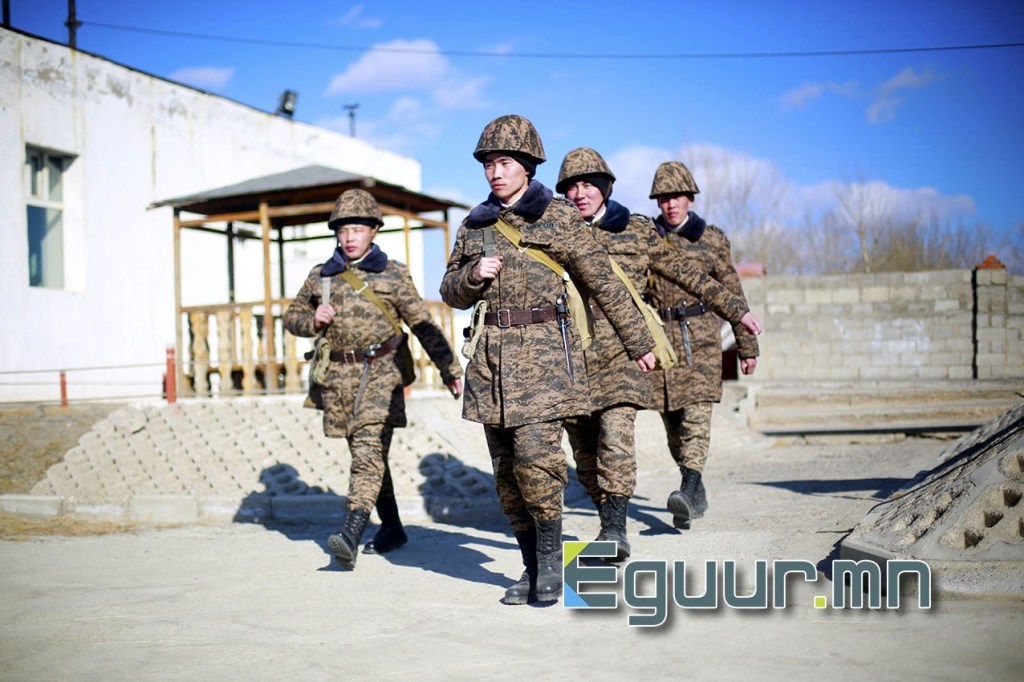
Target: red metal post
x,y
171,378
63,389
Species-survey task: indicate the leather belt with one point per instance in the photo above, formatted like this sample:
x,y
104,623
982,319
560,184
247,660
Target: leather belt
x,y
679,313
505,317
355,357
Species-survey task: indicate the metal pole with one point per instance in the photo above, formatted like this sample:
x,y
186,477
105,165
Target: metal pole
x,y
72,23
231,261
170,377
280,261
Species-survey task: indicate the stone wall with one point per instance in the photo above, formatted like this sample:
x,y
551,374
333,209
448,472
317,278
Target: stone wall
x,y
948,324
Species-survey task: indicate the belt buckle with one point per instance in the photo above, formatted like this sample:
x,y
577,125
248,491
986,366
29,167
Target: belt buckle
x,y
507,321
349,357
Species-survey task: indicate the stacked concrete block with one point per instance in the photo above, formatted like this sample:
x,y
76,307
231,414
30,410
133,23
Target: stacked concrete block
x,y
938,325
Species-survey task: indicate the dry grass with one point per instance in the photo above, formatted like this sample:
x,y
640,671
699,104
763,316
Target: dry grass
x,y
32,439
18,528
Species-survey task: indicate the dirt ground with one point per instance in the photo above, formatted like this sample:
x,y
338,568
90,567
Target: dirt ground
x,y
32,439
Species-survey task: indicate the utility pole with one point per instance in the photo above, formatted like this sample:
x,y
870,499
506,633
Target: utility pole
x,y
351,109
72,23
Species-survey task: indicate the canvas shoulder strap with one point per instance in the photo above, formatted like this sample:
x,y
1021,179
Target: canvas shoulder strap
x,y
361,287
578,306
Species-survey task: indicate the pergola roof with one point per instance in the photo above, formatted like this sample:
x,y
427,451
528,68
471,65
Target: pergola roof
x,y
310,185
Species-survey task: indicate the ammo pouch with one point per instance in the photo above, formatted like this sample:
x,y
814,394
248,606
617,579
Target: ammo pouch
x,y
408,366
319,358
319,361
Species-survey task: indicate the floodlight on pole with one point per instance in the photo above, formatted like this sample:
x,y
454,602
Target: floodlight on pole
x,y
286,105
351,109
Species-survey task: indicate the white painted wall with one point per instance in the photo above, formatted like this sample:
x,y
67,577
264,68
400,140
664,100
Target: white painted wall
x,y
137,139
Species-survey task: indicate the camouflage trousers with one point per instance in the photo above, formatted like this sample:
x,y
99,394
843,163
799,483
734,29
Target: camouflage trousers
x,y
530,472
689,435
369,446
604,450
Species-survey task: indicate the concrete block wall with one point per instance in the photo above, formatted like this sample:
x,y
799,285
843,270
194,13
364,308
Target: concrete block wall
x,y
999,318
948,324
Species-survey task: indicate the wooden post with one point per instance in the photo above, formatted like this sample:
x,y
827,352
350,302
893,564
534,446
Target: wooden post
x,y
63,388
269,352
179,377
405,234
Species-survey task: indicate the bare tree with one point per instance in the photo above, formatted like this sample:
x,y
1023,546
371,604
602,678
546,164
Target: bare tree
x,y
1012,248
867,211
743,197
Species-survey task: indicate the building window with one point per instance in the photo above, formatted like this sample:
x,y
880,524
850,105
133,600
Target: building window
x,y
45,207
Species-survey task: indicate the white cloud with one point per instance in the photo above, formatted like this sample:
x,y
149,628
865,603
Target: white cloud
x,y
411,66
803,95
403,129
354,19
206,77
461,93
398,65
888,96
716,169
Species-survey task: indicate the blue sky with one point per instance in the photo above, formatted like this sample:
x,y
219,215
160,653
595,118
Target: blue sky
x,y
936,131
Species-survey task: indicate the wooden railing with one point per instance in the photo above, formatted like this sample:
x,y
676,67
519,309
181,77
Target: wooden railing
x,y
225,351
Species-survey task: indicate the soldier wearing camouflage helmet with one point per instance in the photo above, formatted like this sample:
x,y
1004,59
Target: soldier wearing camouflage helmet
x,y
603,441
684,395
363,396
526,371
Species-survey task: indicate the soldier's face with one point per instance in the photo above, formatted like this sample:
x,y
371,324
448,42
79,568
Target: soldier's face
x,y
587,197
674,207
506,176
355,240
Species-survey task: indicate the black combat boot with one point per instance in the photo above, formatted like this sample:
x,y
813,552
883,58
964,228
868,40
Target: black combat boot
x,y
525,589
391,535
344,544
702,499
683,502
549,560
613,524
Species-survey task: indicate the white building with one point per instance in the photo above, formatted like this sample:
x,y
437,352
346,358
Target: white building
x,y
86,145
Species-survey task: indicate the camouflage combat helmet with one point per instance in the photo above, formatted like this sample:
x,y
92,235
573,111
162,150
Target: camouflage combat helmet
x,y
510,133
672,177
355,206
579,162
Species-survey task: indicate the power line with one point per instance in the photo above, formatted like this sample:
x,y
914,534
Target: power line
x,y
549,55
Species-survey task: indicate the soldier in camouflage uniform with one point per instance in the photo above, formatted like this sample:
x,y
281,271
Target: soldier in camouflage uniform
x,y
362,397
684,395
602,442
527,371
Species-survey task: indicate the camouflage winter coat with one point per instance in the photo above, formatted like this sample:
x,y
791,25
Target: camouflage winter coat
x,y
358,324
518,374
681,386
633,243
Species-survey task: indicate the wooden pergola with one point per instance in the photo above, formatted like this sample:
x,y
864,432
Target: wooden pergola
x,y
279,205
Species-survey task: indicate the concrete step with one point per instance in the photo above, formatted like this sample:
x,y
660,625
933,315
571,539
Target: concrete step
x,y
882,407
865,395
